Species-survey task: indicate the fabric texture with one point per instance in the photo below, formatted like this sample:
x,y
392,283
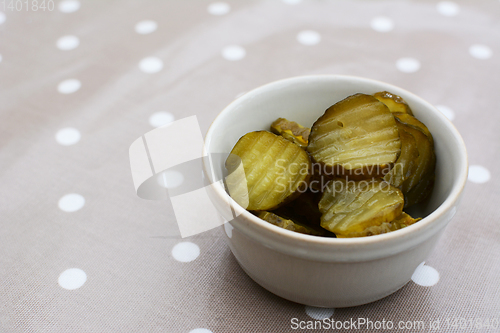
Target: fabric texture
x,y
81,252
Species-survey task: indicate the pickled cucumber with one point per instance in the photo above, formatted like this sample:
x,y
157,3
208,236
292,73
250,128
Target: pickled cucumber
x,y
400,222
356,138
275,170
289,224
352,206
418,185
406,164
394,102
292,131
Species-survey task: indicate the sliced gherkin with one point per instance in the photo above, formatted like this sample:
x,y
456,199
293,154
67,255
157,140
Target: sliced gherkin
x,y
352,206
292,131
289,224
304,209
356,137
413,122
400,222
275,170
419,184
406,164
394,102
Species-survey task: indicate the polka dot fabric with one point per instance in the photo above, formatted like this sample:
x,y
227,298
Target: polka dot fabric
x,y
83,80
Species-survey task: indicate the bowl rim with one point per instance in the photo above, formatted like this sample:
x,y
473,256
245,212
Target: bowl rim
x,y
286,240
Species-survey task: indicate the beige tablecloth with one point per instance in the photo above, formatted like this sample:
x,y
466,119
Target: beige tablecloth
x,y
81,252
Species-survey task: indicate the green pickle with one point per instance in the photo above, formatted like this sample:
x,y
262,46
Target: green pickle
x,y
400,222
292,131
352,206
350,175
394,102
418,185
356,138
275,170
289,224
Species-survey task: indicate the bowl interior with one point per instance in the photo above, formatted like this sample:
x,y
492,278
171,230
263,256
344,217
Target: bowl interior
x,y
304,99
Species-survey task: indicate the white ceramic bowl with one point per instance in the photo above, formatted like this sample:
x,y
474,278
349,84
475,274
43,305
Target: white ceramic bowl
x,y
330,272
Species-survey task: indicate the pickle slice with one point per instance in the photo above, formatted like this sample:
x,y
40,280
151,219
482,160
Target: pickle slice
x,y
413,122
275,169
289,224
394,102
406,164
352,206
356,137
418,185
400,222
292,131
304,209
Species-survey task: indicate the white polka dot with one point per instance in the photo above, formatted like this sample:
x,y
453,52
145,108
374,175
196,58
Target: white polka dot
x,y
170,179
319,313
69,6
66,43
425,276
69,86
146,27
71,202
308,37
480,51
68,136
382,24
479,174
233,52
151,65
447,8
200,330
408,65
2,17
292,2
218,8
72,278
185,251
161,118
228,228
446,111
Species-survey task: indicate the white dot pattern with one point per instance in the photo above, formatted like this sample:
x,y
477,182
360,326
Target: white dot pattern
x,y
146,27
319,313
66,43
185,251
218,8
479,174
2,17
233,52
408,65
308,37
69,6
151,65
447,8
68,136
200,330
382,24
161,118
71,202
72,278
425,276
448,112
480,51
69,86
